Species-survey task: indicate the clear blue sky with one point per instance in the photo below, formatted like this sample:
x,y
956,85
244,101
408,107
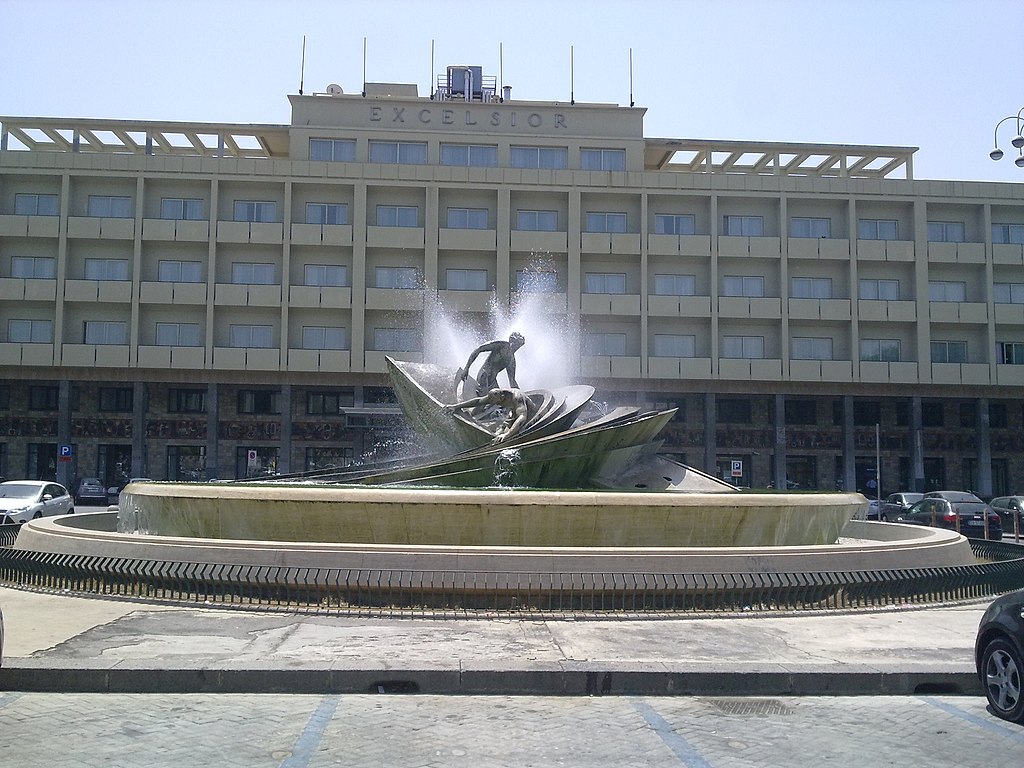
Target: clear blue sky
x,y
934,74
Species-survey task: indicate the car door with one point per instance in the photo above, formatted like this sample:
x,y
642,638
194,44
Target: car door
x,y
57,504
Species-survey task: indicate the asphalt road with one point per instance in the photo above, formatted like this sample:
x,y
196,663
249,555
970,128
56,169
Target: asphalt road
x,y
294,731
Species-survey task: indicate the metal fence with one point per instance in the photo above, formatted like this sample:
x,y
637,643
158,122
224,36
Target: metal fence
x,y
464,593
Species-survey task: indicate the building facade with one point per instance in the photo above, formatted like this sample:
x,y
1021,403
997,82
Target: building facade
x,y
193,301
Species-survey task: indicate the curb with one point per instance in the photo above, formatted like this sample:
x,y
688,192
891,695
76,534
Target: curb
x,y
23,675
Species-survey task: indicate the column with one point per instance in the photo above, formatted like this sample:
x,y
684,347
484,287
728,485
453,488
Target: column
x,y
139,408
916,444
779,460
710,443
284,458
212,430
849,447
984,488
65,469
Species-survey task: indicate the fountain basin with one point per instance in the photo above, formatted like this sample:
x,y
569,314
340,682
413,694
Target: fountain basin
x,y
484,517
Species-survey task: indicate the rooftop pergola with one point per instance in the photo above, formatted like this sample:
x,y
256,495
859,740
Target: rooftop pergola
x,y
778,158
143,137
271,141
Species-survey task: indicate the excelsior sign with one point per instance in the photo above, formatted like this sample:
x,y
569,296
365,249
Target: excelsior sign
x,y
463,117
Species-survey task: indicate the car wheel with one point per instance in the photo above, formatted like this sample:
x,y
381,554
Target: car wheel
x,y
71,511
37,515
1002,667
884,518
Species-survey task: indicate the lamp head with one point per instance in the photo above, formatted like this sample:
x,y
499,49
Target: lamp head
x,y
1017,141
996,154
1019,162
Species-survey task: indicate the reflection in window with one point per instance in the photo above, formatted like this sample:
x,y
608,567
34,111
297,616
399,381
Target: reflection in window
x,y
106,332
880,350
674,224
949,351
396,340
36,205
812,287
466,279
106,269
255,211
326,213
879,290
30,331
743,347
249,273
177,335
334,275
675,285
807,226
946,231
603,159
324,337
181,209
744,226
34,267
811,348
333,150
397,277
555,158
947,290
605,282
878,229
109,206
743,285
171,271
251,336
604,344
467,218
1007,233
537,221
472,155
397,216
674,345
606,222
401,152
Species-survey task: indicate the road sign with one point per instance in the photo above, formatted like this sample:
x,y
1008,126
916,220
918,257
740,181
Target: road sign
x,y
737,469
253,461
66,451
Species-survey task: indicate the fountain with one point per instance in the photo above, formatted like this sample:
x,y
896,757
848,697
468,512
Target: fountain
x,y
490,502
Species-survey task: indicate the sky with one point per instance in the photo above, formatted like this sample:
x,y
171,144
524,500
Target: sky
x,y
933,74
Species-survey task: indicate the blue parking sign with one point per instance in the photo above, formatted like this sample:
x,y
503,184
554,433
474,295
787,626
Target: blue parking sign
x,y
66,451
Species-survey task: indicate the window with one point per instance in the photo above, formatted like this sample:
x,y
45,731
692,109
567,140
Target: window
x,y
331,403
248,273
968,415
878,229
333,150
882,290
466,279
604,344
537,221
1010,352
396,339
807,226
402,152
603,159
932,413
397,216
43,398
730,411
605,282
106,332
34,267
325,275
606,222
258,401
181,208
801,412
947,290
251,336
811,348
467,218
812,287
880,350
674,345
474,155
255,210
108,206
745,226
536,281
169,271
177,335
324,337
1008,293
326,213
1001,233
946,231
397,277
743,347
866,413
35,205
186,400
674,224
554,158
739,285
106,269
30,331
675,285
115,399
949,351
998,416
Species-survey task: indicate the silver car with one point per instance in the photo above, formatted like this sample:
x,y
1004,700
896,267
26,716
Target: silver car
x,y
1010,508
896,504
24,500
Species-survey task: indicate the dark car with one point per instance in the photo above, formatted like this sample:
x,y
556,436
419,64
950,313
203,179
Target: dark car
x,y
90,491
896,504
955,510
1010,508
999,655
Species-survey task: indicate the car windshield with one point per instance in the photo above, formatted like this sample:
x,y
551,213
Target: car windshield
x,y
18,490
969,507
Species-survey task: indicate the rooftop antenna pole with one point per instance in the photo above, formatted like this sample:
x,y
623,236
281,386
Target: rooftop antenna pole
x,y
631,77
431,70
364,67
501,68
302,67
572,83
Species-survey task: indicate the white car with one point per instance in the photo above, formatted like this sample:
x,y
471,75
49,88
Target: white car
x,y
23,500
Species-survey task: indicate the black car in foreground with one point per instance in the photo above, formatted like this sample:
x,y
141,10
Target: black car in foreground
x,y
999,655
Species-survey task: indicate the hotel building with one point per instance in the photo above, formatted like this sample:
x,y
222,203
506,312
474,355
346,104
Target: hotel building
x,y
195,300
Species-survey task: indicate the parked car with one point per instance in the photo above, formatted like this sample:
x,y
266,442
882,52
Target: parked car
x,y
943,509
1008,508
23,500
895,504
999,656
90,491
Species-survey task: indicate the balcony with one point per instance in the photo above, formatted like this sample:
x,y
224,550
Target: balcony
x,y
94,355
893,311
321,234
107,291
609,304
466,301
957,312
177,358
960,373
542,242
679,306
326,296
27,289
616,367
394,237
246,359
467,239
29,226
818,248
159,292
679,367
762,247
744,369
956,253
13,353
394,299
320,360
895,373
263,232
93,227
832,371
885,250
243,295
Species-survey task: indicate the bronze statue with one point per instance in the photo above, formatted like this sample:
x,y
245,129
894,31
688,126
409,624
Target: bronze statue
x,y
501,356
513,402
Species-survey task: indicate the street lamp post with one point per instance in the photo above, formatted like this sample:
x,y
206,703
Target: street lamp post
x,y
1017,141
